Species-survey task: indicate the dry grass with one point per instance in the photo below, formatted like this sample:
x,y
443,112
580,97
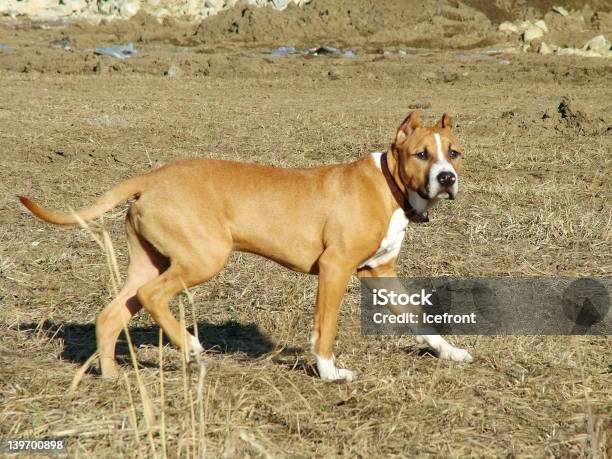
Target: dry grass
x,y
535,202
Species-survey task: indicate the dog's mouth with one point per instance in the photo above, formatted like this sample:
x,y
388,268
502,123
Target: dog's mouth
x,y
440,193
445,194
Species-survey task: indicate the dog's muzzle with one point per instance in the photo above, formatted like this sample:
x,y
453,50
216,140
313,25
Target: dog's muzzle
x,y
446,185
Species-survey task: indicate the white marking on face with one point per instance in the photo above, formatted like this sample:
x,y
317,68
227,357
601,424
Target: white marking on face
x,y
441,165
327,370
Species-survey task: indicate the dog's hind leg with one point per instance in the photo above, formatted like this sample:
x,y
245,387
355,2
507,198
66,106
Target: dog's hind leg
x,y
193,261
145,264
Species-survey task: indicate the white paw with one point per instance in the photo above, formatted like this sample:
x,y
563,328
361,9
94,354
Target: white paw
x,y
341,374
456,355
444,349
194,348
346,375
328,371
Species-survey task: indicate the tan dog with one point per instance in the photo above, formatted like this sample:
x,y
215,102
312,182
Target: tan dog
x,y
332,221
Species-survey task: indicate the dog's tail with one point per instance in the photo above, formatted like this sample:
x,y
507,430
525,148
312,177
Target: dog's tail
x,y
130,188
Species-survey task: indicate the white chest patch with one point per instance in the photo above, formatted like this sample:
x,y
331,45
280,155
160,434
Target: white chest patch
x,y
392,242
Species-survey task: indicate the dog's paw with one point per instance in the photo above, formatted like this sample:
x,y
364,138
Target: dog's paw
x,y
109,369
346,375
194,349
341,374
456,355
328,371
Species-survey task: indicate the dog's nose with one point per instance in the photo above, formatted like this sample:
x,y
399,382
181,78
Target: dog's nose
x,y
446,178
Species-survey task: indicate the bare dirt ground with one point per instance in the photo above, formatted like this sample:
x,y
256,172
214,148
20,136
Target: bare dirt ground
x,y
535,201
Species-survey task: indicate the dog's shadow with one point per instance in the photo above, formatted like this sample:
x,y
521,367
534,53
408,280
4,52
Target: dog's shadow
x,y
231,337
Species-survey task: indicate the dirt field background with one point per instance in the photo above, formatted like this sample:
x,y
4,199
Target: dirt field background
x,y
537,136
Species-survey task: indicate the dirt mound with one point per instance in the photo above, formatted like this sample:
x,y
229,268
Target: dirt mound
x,y
506,10
412,23
569,117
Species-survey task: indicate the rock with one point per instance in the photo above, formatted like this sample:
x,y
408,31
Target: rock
x,y
280,4
94,10
542,25
214,4
587,53
173,71
599,45
545,49
559,9
508,27
566,51
127,9
63,43
532,33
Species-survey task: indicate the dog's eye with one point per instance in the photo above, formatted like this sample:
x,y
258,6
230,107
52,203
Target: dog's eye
x,y
454,154
422,155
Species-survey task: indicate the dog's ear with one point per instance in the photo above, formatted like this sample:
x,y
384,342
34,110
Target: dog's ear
x,y
445,122
412,121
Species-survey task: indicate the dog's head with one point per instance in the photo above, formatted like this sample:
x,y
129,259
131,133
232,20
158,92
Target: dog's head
x,y
429,158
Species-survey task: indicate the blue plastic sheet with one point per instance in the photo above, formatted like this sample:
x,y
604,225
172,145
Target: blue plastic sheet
x,y
330,51
118,51
282,51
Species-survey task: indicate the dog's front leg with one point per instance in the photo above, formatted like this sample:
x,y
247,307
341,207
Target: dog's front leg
x,y
333,279
443,349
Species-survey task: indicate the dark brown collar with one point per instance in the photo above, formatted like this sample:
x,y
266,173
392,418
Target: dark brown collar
x,y
399,196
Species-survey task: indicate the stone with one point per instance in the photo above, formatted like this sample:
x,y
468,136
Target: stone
x,y
566,51
280,4
127,9
545,49
532,33
215,5
542,25
587,53
508,27
598,44
94,11
560,10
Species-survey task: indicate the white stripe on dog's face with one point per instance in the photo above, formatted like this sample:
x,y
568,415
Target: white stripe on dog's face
x,y
441,165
